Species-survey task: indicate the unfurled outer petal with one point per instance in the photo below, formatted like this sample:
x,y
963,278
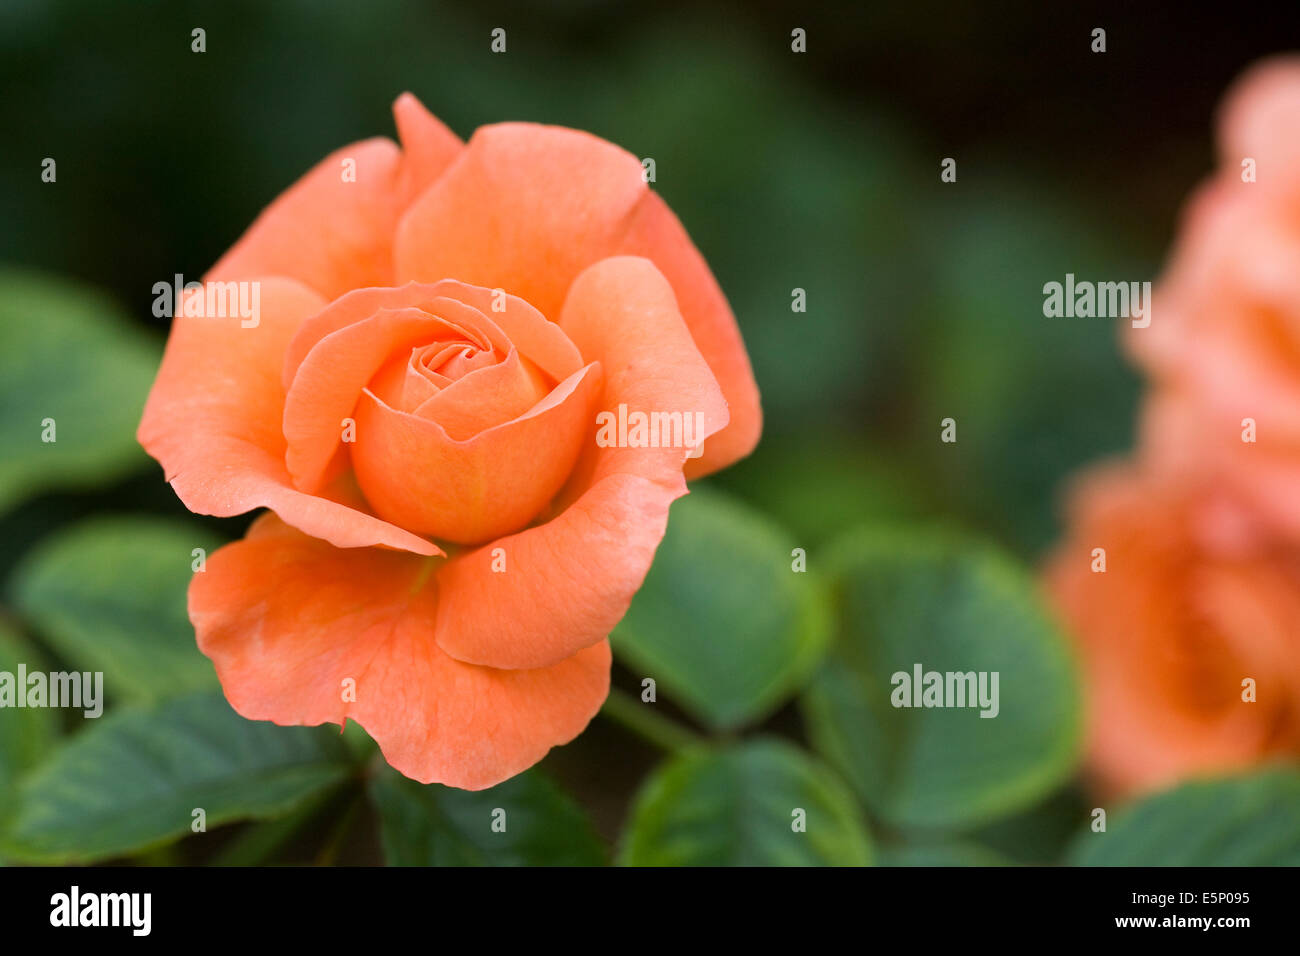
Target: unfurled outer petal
x,y
213,422
289,620
333,229
528,207
623,313
655,232
567,582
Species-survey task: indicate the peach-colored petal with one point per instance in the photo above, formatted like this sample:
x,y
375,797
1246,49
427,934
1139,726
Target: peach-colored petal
x,y
364,337
1234,258
304,633
485,397
333,229
1260,119
428,148
347,310
471,491
655,232
525,208
538,340
567,582
328,384
529,207
533,598
623,313
213,422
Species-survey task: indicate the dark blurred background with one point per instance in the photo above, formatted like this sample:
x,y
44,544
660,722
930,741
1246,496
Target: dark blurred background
x,y
817,170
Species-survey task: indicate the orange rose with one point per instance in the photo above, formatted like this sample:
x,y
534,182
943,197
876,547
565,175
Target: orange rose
x,y
1193,600
439,328
1201,589
1223,347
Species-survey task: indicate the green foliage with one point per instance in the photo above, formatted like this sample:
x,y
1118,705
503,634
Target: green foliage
x,y
1040,834
912,596
723,623
939,854
1247,820
740,806
26,734
109,595
132,780
69,356
525,821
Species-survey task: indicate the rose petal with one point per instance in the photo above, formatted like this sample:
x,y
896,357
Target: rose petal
x,y
288,619
485,398
1260,119
522,326
213,422
538,339
525,208
623,313
569,581
470,491
328,383
428,148
531,206
656,233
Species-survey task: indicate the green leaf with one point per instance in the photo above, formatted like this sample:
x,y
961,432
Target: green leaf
x,y
133,780
1246,820
913,596
109,595
27,733
737,807
433,825
722,623
257,842
1039,835
67,353
939,854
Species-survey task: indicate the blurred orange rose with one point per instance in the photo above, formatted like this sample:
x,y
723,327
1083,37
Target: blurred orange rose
x,y
439,328
1201,588
1193,600
1223,347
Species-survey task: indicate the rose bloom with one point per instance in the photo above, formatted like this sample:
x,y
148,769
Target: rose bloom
x,y
1223,347
1202,532
447,546
1194,599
